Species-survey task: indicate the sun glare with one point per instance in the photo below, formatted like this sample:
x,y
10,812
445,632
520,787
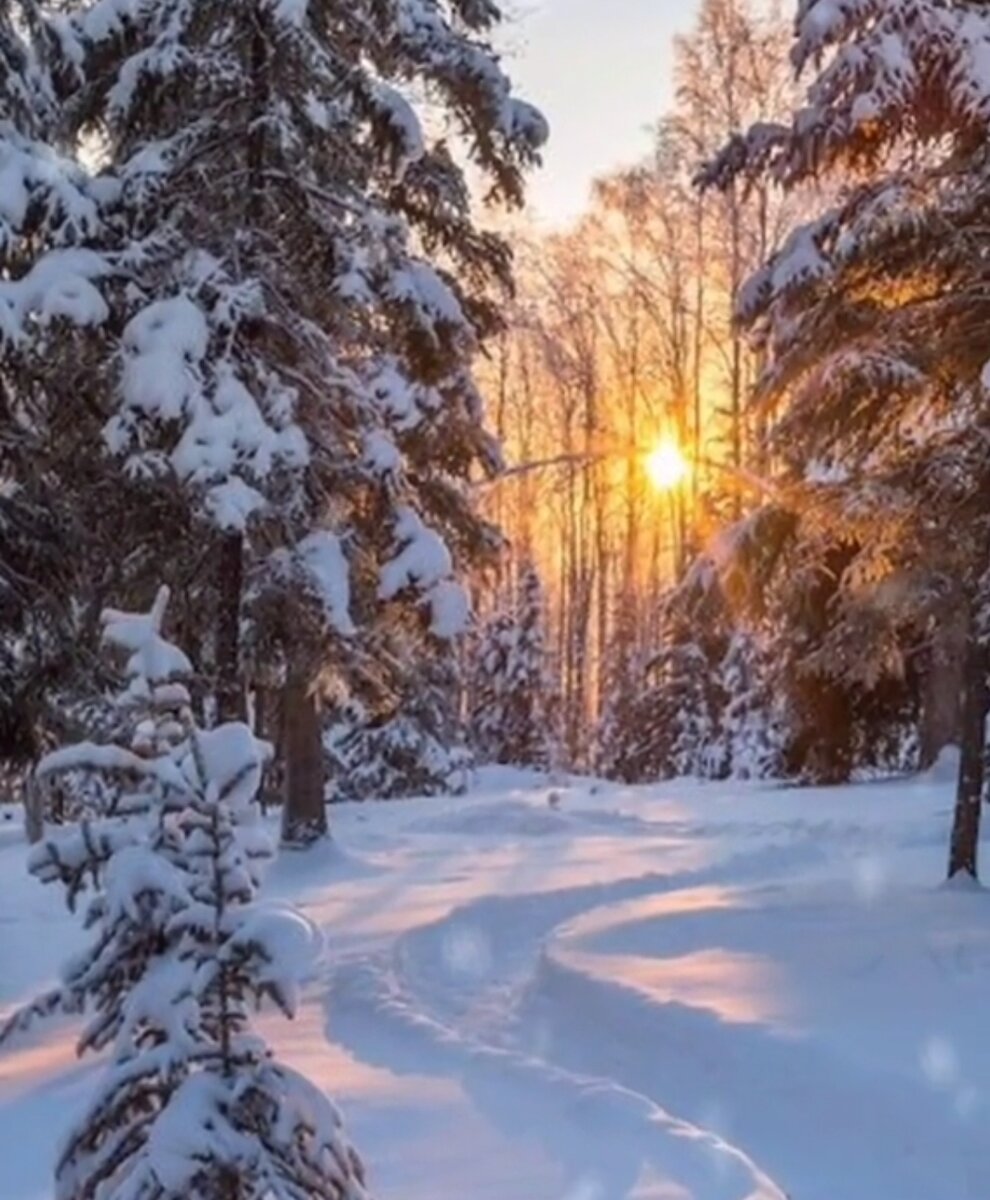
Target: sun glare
x,y
666,466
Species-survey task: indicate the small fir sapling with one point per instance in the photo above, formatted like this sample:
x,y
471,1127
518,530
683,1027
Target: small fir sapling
x,y
193,1104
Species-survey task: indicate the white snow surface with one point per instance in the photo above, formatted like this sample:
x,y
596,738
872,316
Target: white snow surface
x,y
579,991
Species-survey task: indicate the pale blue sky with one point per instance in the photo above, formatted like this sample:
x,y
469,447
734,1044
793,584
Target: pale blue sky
x,y
601,72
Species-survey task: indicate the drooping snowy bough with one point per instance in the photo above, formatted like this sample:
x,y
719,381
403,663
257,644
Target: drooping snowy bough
x,y
193,1103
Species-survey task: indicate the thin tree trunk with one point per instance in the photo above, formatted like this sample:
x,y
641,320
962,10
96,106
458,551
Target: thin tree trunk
x,y
231,704
34,808
762,426
736,383
699,347
964,844
603,576
266,728
304,815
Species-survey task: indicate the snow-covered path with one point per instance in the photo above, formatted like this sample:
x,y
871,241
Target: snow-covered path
x,y
677,993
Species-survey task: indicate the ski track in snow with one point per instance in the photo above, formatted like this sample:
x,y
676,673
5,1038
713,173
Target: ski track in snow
x,y
676,993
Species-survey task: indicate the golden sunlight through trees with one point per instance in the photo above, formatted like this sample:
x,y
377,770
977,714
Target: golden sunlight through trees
x,y
666,465
623,374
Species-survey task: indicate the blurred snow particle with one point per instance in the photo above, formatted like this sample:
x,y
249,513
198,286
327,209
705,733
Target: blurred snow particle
x,y
870,879
541,1038
587,1188
466,952
715,1119
967,1102
939,1062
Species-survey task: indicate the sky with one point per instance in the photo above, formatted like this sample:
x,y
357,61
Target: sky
x,y
601,72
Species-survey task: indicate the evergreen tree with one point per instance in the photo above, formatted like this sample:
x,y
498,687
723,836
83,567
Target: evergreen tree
x,y
875,318
513,705
677,731
670,724
826,662
302,288
192,1104
751,725
818,684
394,744
624,669
705,704
48,216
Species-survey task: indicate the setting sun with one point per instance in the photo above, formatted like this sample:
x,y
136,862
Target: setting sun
x,y
666,466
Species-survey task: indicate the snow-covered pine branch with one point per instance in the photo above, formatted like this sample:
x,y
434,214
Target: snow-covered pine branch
x,y
230,342
49,207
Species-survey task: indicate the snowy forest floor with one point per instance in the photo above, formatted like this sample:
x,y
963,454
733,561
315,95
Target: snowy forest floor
x,y
683,992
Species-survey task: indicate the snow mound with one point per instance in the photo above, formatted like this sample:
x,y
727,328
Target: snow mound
x,y
296,871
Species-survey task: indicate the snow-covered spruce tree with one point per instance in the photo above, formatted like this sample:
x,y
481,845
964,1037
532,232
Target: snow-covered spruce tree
x,y
875,318
819,686
622,719
624,667
47,216
306,286
674,721
706,703
192,1104
402,736
513,709
408,744
751,726
822,658
843,663
671,718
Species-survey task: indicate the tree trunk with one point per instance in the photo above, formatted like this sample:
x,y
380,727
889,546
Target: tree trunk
x,y
304,815
231,704
822,751
943,688
266,728
34,808
964,845
698,355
